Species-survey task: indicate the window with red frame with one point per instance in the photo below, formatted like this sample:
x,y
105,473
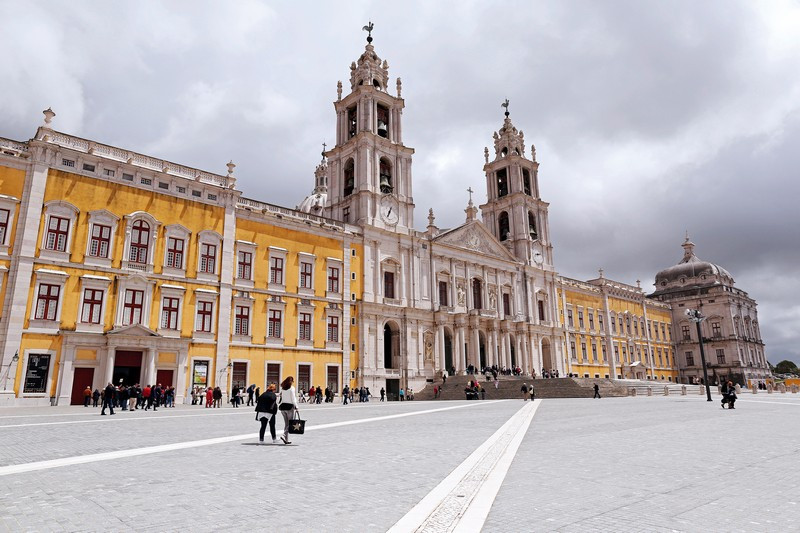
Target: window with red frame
x,y
276,270
169,313
204,310
140,241
132,307
47,302
175,252
244,265
333,329
208,258
274,323
305,275
92,306
57,231
242,320
304,333
100,241
333,279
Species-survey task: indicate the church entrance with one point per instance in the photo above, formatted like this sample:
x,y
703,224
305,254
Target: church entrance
x,y
127,367
392,390
391,346
482,349
448,351
548,361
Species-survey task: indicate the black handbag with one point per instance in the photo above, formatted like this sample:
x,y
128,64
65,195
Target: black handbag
x,y
297,426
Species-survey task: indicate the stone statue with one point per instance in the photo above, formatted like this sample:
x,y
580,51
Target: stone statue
x,y
461,294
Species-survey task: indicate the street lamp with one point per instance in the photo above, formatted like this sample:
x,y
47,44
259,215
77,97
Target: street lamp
x,y
696,317
8,369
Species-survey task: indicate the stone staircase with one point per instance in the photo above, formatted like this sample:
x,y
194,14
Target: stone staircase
x,y
509,388
641,387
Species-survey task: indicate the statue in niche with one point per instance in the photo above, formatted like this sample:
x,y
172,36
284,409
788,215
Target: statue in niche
x,y
461,294
492,298
428,340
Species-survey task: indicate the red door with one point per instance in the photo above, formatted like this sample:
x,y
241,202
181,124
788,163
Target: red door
x,y
80,380
164,377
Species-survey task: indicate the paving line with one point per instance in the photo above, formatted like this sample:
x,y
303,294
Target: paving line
x,y
789,402
119,454
462,501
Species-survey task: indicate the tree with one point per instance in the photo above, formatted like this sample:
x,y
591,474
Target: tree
x,y
786,367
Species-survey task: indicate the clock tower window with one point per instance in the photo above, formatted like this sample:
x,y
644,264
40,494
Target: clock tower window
x,y
352,121
502,182
385,176
503,226
526,181
349,177
532,225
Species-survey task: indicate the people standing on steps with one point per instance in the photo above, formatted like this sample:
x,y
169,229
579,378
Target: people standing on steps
x,y
266,409
287,404
596,391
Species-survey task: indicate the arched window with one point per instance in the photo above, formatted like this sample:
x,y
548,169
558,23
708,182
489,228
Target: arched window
x,y
477,294
383,121
532,225
349,177
526,181
140,241
502,226
352,121
502,182
504,151
385,173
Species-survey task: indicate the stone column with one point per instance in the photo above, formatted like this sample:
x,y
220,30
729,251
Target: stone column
x,y
180,385
150,367
108,373
476,347
440,348
508,349
66,376
461,359
523,337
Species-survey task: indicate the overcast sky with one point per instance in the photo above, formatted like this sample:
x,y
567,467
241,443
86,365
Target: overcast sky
x,y
649,118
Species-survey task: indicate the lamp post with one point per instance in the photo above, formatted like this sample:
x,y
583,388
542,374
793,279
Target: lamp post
x,y
696,317
8,369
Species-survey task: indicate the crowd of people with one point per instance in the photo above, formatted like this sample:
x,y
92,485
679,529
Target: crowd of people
x,y
129,398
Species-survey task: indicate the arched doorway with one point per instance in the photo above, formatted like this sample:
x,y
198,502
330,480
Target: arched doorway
x,y
482,349
548,360
448,350
391,346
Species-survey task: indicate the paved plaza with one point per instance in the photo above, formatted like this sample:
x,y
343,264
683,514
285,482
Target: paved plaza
x,y
617,464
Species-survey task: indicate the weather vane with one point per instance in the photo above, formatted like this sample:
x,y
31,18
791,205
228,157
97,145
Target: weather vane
x,y
505,104
368,29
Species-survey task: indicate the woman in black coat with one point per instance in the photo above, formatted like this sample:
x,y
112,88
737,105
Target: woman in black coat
x,y
266,408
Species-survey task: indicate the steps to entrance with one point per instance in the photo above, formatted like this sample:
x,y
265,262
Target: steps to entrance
x,y
509,388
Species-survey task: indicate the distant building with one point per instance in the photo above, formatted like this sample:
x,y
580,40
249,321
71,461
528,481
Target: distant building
x,y
731,336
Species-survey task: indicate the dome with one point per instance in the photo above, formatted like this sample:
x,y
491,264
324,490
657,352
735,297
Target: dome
x,y
693,271
314,203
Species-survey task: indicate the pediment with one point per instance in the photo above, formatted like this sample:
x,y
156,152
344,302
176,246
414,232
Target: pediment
x,y
134,330
475,237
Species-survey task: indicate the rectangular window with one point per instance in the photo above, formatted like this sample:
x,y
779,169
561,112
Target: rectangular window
x,y
273,373
636,329
655,330
132,307
306,271
239,374
241,325
663,334
540,303
605,354
613,325
127,177
570,320
388,285
57,231
274,324
208,258
591,320
108,172
333,279
600,321
100,241
621,326
444,300
304,333
689,359
594,353
87,167
276,270
346,214
47,302
333,329
244,265
204,316
506,304
146,181
92,305
163,185
303,377
583,352
333,378
68,162
616,353
5,214
175,252
580,319
572,350
716,330
720,356
685,332
169,313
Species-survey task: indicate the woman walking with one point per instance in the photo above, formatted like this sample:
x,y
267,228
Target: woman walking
x,y
287,405
266,409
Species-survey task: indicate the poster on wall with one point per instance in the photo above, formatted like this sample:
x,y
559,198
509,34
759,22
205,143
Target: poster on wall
x,y
36,373
200,374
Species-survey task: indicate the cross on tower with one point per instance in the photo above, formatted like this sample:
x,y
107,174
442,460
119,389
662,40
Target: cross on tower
x,y
469,190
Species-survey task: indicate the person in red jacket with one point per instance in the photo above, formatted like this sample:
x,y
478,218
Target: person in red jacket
x,y
209,397
146,392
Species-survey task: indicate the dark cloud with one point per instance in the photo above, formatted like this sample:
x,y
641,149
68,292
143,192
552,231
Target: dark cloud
x,y
649,118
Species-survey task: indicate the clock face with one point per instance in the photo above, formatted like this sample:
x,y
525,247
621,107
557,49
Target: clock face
x,y
538,258
390,210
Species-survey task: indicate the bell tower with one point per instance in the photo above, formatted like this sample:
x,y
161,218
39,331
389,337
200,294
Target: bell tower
x,y
514,211
369,168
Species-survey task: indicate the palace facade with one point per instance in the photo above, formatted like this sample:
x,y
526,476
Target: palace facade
x,y
120,267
